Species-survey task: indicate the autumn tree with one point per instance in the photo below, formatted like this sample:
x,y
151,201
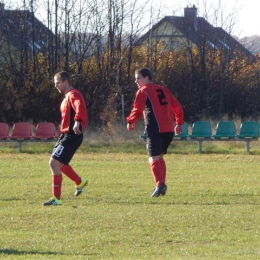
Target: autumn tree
x,y
95,41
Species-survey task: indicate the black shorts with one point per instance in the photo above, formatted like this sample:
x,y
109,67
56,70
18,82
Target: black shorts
x,y
66,146
158,143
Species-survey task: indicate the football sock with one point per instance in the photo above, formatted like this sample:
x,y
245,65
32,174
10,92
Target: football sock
x,y
156,171
71,174
163,168
56,185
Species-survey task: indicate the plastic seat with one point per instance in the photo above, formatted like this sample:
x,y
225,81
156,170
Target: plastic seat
x,y
45,131
4,131
184,133
225,130
248,130
21,131
201,130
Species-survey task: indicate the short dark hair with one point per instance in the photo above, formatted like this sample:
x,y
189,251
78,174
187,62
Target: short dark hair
x,y
64,75
145,73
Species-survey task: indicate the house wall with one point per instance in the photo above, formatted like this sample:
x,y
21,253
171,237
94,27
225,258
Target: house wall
x,y
8,52
169,35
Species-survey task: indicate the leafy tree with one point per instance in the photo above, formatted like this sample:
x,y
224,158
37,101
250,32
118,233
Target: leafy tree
x,y
94,40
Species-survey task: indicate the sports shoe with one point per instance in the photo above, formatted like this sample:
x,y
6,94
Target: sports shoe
x,y
161,190
52,202
80,187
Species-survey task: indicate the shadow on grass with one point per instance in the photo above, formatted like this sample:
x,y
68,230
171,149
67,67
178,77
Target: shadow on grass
x,y
190,203
10,199
242,199
12,251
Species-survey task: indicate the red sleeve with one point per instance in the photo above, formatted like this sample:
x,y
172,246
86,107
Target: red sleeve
x,y
79,105
177,110
138,107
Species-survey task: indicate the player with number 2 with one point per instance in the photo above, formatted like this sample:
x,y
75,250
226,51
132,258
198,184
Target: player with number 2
x,y
163,116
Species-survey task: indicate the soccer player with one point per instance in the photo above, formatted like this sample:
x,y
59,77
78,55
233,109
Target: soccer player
x,y
74,119
160,109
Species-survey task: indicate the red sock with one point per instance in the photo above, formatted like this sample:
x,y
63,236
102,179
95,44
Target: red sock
x,y
70,173
56,185
156,170
163,167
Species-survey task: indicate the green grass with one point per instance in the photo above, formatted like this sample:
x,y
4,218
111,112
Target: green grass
x,y
211,210
136,145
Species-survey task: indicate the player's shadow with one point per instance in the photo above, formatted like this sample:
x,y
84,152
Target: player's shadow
x,y
11,251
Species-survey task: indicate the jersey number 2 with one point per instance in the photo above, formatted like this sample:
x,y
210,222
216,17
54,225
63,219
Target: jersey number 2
x,y
161,97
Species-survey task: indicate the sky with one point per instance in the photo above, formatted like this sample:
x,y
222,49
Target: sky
x,y
240,18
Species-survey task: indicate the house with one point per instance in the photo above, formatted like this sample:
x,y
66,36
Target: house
x,y
82,45
21,31
190,30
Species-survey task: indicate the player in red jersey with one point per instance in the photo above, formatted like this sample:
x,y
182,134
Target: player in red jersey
x,y
161,110
74,119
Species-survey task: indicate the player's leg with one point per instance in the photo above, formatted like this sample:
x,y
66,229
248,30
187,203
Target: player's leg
x,y
163,167
56,183
63,152
167,139
155,167
154,150
72,143
55,166
80,182
56,178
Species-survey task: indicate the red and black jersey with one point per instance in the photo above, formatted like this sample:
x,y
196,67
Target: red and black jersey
x,y
73,108
160,108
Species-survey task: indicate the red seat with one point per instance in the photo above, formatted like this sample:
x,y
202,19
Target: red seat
x,y
4,131
45,131
21,131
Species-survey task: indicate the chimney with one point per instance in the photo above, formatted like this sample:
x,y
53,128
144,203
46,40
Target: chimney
x,y
190,12
2,8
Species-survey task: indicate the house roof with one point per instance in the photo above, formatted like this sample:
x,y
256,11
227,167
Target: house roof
x,y
200,32
22,29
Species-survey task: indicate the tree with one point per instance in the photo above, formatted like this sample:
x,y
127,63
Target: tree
x,y
95,41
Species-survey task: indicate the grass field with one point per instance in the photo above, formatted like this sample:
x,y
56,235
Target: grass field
x,y
211,209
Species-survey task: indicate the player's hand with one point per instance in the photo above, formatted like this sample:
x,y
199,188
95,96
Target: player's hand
x,y
178,129
130,127
76,128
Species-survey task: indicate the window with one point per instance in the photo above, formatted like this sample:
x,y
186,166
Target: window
x,y
174,45
224,44
212,45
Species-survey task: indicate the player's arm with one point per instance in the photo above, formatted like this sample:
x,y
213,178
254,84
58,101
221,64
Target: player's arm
x,y
137,110
177,110
79,106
